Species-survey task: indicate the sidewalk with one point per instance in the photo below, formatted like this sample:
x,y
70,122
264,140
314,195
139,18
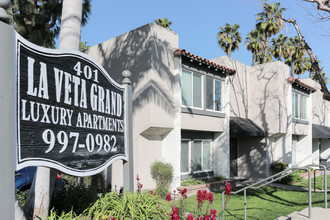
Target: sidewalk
x,y
316,212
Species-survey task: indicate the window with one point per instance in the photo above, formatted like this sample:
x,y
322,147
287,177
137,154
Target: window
x,y
196,156
193,92
191,89
299,106
213,94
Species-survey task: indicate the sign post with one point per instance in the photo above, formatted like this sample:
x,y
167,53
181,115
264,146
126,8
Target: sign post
x,y
7,115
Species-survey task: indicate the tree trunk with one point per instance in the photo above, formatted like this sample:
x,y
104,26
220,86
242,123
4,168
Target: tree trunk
x,y
229,50
264,60
253,58
292,68
44,180
315,64
71,24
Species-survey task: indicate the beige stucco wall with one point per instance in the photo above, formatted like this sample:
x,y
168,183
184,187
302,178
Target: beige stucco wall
x,y
320,106
147,52
252,157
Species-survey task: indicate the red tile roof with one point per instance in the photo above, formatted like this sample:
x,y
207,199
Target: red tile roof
x,y
301,84
183,52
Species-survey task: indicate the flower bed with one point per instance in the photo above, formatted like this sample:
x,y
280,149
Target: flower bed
x,y
210,187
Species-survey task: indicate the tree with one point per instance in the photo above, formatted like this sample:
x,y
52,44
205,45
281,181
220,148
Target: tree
x,y
269,23
315,64
38,21
323,5
164,23
294,53
254,43
278,46
229,38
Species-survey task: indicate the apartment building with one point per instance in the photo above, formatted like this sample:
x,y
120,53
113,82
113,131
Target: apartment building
x,y
180,104
275,110
212,117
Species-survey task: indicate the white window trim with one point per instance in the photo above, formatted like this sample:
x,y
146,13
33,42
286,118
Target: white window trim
x,y
221,95
299,117
192,89
190,143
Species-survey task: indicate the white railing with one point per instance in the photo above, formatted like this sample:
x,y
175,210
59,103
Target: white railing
x,y
279,176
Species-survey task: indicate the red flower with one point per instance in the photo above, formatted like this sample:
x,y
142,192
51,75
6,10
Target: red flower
x,y
213,214
175,214
190,216
228,188
205,196
199,196
210,197
206,217
168,197
137,177
184,193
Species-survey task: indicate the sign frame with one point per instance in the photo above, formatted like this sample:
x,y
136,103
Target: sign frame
x,y
40,161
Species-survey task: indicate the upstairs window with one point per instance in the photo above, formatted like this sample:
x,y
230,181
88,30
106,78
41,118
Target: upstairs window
x,y
191,89
213,94
299,106
200,91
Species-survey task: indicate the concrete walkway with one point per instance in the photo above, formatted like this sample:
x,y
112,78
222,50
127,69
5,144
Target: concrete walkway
x,y
316,212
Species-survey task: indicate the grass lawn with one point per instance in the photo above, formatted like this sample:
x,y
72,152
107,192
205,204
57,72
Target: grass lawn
x,y
264,203
318,182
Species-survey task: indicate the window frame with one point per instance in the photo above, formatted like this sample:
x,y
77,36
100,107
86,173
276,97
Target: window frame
x,y
192,74
190,144
299,106
213,93
203,110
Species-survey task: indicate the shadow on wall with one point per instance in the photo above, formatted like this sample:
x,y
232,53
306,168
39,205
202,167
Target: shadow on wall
x,y
145,56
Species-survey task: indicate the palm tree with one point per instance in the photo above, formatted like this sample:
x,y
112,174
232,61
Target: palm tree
x,y
229,38
164,23
269,23
301,66
278,46
294,52
253,43
71,24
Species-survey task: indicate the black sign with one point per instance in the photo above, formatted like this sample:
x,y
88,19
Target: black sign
x,y
70,112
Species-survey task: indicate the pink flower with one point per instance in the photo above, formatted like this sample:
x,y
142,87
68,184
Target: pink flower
x,y
168,197
138,178
228,188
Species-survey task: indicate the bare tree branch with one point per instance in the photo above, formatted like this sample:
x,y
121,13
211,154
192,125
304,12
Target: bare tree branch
x,y
315,63
323,5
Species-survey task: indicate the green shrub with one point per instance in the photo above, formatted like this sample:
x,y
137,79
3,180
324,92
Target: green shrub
x,y
162,173
129,206
190,182
214,179
73,198
277,167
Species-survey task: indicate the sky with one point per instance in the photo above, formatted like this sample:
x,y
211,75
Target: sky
x,y
197,23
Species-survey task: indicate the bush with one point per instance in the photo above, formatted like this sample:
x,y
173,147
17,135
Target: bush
x,y
277,167
190,182
129,206
73,198
162,173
